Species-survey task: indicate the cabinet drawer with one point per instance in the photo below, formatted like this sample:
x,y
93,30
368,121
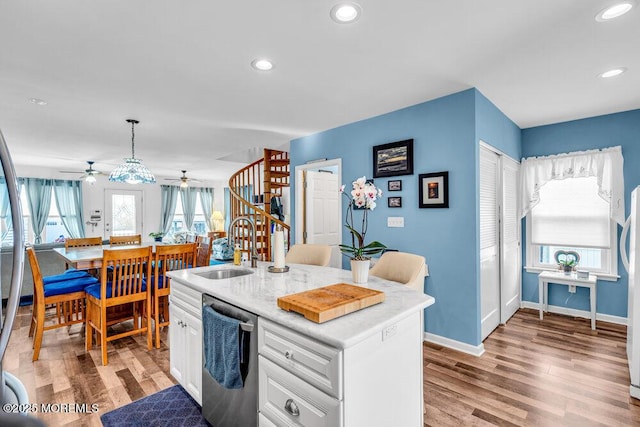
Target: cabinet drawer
x,y
289,401
189,299
264,421
315,362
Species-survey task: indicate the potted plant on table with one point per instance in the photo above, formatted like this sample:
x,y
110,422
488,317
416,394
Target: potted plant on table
x,y
157,236
363,198
567,260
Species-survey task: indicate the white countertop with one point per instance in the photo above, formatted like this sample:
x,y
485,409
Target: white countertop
x,y
258,293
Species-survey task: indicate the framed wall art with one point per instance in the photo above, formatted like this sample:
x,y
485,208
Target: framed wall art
x,y
393,159
394,202
394,185
434,190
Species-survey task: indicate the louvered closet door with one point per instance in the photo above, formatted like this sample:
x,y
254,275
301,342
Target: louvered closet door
x,y
510,241
489,241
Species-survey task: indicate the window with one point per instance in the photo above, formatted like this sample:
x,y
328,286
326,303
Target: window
x,y
199,222
572,216
53,229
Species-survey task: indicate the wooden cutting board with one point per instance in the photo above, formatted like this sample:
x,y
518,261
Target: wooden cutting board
x,y
329,302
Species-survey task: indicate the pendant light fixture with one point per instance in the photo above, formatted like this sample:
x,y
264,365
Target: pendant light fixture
x,y
132,171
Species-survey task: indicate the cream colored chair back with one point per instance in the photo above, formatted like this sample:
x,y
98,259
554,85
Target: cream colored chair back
x,y
402,267
309,254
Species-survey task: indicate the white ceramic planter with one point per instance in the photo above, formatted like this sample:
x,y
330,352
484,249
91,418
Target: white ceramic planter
x,y
360,271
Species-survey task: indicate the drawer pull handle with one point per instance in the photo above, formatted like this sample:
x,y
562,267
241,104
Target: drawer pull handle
x,y
288,354
291,407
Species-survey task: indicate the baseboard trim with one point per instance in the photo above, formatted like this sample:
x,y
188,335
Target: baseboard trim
x,y
474,350
576,313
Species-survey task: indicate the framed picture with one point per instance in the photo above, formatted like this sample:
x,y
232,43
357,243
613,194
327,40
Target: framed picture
x,y
395,185
394,202
393,159
434,190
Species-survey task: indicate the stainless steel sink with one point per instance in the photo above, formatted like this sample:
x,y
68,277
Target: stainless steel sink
x,y
224,274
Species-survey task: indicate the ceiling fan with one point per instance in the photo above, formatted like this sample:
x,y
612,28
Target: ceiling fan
x,y
89,174
184,179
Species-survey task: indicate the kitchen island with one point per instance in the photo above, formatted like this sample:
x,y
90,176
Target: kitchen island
x,y
364,368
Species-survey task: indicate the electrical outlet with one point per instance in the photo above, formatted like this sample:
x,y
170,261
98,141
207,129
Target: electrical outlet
x,y
572,289
389,331
395,221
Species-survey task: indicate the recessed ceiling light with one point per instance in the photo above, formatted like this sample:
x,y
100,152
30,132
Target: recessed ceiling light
x,y
262,64
345,13
38,101
613,72
614,11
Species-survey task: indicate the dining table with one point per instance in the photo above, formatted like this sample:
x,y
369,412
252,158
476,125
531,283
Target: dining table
x,y
88,257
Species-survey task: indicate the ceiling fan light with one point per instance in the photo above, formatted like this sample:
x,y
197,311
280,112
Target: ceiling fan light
x,y
90,179
132,171
184,184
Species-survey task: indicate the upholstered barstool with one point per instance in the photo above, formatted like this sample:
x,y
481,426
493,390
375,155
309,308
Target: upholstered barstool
x,y
310,254
401,267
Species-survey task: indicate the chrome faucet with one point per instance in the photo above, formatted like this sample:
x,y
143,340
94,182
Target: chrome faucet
x,y
254,252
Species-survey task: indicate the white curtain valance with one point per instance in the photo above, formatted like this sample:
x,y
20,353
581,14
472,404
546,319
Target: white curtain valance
x,y
605,164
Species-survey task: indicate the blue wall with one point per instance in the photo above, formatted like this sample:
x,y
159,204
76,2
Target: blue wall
x,y
598,132
445,133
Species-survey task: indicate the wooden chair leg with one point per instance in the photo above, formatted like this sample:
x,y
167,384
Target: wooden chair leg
x,y
32,327
37,339
103,335
88,329
148,319
156,319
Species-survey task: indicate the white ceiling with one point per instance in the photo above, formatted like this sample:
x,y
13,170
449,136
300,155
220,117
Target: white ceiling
x,y
183,69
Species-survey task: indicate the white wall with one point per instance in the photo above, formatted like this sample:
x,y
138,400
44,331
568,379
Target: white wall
x,y
93,196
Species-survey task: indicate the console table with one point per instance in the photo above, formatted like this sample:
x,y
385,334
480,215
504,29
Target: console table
x,y
560,278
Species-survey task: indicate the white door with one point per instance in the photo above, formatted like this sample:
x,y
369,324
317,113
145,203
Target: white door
x,y
489,241
510,241
322,201
123,212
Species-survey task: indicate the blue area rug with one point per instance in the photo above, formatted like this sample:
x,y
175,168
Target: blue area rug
x,y
170,407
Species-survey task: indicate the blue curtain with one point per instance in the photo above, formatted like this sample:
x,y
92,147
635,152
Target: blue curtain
x,y
169,198
188,197
39,200
206,198
68,195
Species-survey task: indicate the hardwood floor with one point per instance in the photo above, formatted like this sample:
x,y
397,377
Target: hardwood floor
x,y
67,374
556,372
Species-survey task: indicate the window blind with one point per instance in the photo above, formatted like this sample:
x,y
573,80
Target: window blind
x,y
570,213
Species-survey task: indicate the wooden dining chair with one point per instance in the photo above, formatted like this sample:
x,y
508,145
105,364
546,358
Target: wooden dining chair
x,y
64,291
135,239
167,258
204,250
126,285
83,242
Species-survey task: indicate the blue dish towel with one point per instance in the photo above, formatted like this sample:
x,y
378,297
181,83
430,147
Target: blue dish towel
x,y
221,348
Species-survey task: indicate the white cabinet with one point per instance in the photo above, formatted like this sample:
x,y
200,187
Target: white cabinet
x,y
185,340
306,382
373,381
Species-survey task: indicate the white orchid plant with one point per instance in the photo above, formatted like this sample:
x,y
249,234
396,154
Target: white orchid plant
x,y
363,197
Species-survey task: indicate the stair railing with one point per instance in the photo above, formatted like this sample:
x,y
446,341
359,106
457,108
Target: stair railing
x,y
251,189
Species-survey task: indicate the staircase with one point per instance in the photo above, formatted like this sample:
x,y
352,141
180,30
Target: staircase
x,y
251,190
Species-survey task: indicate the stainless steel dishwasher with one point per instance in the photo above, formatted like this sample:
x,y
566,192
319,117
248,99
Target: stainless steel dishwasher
x,y
224,407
